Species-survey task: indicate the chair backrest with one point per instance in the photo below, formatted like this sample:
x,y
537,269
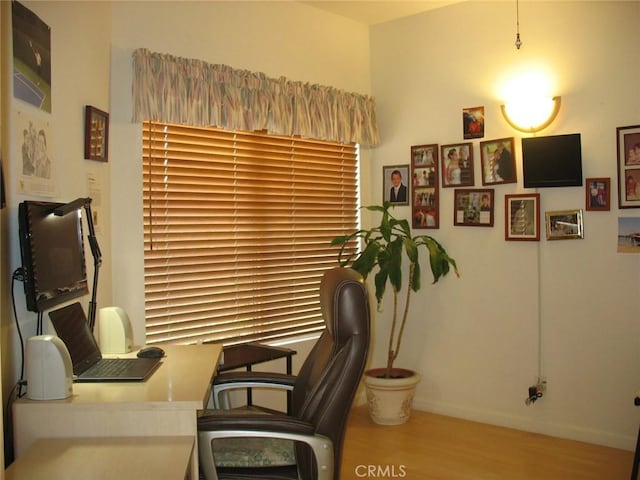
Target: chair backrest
x,y
328,380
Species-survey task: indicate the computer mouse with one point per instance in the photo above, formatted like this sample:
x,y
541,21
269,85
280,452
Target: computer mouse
x,y
151,352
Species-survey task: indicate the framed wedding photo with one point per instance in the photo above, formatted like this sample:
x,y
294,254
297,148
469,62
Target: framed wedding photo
x,y
597,194
456,165
628,143
564,224
473,207
395,185
522,217
424,184
498,161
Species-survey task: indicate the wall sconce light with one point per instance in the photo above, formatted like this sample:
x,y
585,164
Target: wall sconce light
x,y
532,114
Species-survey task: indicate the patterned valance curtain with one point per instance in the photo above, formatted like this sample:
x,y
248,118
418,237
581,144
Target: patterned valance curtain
x,y
192,92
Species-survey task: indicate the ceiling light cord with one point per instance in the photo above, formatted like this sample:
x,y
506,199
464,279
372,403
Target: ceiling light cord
x,y
518,41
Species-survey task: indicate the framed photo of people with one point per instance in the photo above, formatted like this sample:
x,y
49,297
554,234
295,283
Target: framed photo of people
x,y
597,194
522,217
424,182
473,207
628,143
564,224
395,185
498,161
456,165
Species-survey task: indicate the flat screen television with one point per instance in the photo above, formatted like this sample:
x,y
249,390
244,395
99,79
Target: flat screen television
x,y
552,161
52,252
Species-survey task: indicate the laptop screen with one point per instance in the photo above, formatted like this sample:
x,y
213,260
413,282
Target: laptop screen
x,y
71,326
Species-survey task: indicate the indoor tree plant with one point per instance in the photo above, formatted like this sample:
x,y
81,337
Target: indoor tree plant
x,y
383,249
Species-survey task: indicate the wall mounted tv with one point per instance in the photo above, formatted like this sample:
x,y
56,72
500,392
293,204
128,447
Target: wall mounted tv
x,y
552,161
52,253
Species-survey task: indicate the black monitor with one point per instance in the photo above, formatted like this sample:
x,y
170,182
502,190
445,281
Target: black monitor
x,y
52,251
552,161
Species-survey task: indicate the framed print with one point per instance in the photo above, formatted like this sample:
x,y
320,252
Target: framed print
x,y
597,194
498,161
424,182
394,184
473,207
628,143
456,162
564,224
473,122
96,134
522,217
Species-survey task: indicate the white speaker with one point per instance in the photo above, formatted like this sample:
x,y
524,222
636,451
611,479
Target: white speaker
x,y
49,368
114,330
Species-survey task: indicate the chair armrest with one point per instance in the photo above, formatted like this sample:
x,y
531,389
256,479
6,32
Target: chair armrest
x,y
218,426
224,382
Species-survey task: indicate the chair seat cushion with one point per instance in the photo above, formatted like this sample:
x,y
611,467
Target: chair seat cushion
x,y
254,452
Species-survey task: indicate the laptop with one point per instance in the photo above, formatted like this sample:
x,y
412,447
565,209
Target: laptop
x,y
72,328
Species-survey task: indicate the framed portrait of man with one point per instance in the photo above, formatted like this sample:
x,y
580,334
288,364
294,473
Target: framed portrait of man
x,y
396,187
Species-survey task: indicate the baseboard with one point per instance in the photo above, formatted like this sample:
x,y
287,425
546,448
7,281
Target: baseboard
x,y
571,432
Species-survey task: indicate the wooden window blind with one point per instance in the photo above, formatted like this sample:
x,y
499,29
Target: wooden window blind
x,y
237,231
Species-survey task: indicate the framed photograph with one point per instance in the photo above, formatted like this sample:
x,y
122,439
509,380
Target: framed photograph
x,y
96,134
598,194
395,186
473,207
456,162
564,224
424,182
498,161
522,217
628,142
473,122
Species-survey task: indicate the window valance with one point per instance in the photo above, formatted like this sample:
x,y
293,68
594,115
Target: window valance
x,y
192,92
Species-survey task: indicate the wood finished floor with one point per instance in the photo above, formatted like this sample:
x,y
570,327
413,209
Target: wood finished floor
x,y
431,447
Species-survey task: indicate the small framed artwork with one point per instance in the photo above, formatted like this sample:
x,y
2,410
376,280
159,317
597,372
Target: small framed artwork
x,y
628,143
456,165
564,224
473,122
473,207
522,217
498,161
597,194
424,182
96,134
395,187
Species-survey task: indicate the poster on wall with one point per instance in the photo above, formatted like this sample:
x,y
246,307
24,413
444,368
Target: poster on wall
x,y
629,235
31,57
35,163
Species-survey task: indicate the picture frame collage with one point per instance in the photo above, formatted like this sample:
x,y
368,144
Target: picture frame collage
x,y
433,166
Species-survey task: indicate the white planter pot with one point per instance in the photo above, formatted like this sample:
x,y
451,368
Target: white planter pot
x,y
390,399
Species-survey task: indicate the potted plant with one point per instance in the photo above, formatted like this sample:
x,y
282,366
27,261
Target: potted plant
x,y
383,250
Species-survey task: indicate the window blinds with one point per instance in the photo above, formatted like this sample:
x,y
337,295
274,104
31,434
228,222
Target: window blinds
x,y
237,231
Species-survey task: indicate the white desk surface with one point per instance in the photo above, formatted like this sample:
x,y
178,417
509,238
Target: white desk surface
x,y
121,458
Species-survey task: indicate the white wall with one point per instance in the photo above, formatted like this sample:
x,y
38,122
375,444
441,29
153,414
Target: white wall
x,y
278,38
476,339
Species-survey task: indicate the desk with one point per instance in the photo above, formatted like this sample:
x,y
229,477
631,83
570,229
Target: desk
x,y
122,458
248,354
165,404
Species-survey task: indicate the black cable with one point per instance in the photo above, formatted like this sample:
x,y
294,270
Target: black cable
x,y
18,274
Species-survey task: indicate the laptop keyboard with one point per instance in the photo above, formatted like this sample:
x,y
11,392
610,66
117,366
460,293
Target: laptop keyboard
x,y
111,367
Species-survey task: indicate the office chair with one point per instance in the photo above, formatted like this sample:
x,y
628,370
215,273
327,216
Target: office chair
x,y
322,394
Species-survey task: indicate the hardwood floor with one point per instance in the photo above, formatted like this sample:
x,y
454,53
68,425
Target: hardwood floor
x,y
433,446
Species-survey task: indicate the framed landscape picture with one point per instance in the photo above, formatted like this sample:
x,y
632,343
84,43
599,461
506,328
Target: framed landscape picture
x,y
424,182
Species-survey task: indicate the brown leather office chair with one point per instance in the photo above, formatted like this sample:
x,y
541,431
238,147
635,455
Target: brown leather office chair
x,y
322,394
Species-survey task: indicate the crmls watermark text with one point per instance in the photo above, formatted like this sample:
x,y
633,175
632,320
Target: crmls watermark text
x,y
381,471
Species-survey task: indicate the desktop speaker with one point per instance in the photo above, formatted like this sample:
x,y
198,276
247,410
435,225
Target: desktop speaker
x,y
49,368
114,330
